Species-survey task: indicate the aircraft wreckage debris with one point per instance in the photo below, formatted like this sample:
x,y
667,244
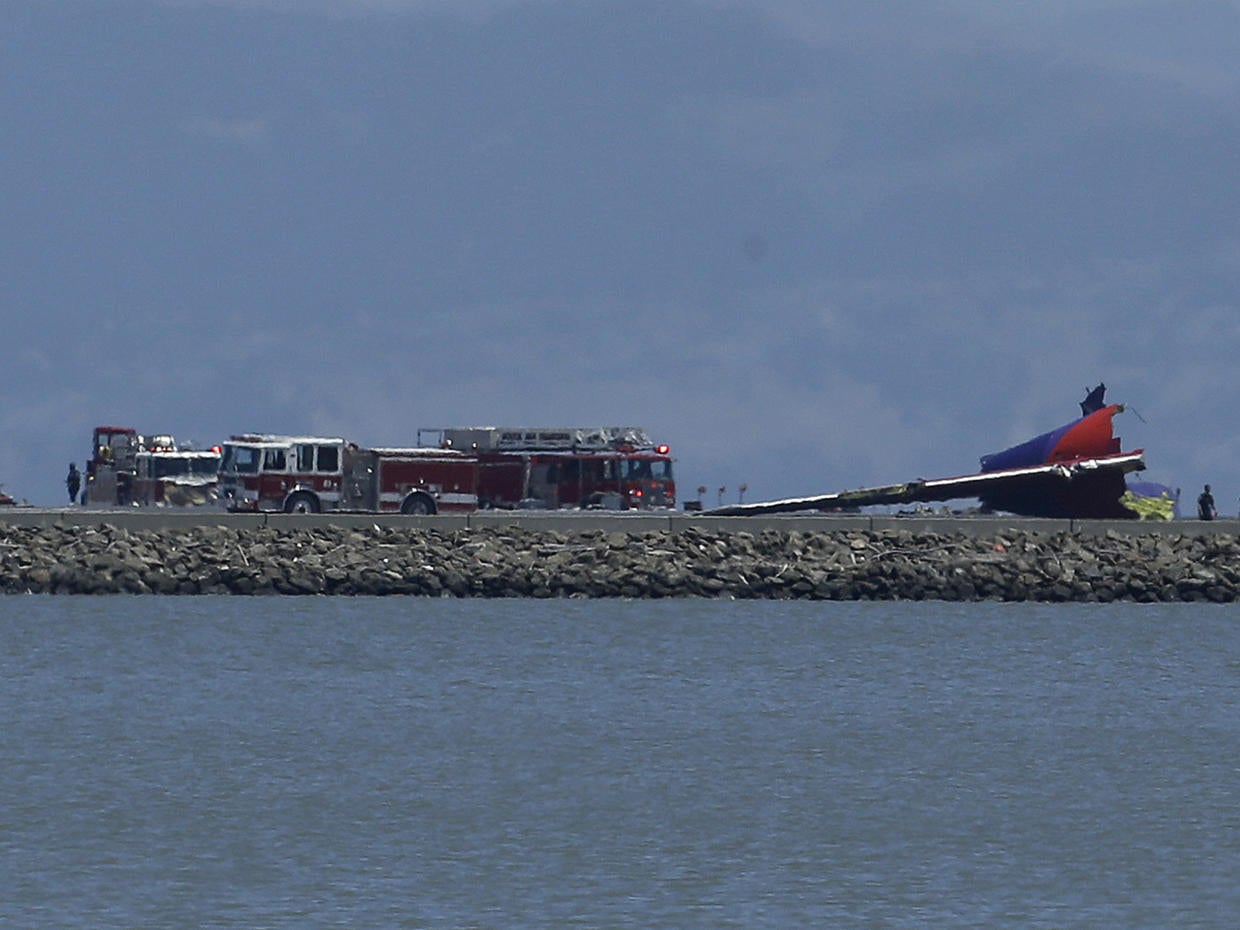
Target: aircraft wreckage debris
x,y
1077,471
1009,565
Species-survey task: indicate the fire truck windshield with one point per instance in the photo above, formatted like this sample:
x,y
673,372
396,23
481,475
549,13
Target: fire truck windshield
x,y
172,466
660,469
243,459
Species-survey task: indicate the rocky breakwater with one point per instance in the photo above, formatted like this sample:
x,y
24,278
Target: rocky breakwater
x,y
509,562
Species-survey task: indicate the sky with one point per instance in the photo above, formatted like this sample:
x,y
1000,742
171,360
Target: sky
x,y
811,246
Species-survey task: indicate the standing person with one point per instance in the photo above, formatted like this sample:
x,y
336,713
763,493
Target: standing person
x,y
73,481
1205,505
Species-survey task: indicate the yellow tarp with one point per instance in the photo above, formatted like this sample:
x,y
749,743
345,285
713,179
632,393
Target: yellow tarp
x,y
1150,508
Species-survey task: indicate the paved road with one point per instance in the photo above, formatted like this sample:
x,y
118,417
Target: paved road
x,y
153,518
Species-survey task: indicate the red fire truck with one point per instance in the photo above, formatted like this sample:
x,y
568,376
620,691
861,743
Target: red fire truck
x,y
309,474
614,467
464,469
127,468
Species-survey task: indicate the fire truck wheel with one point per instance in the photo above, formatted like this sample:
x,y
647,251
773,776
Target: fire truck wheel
x,y
301,502
418,504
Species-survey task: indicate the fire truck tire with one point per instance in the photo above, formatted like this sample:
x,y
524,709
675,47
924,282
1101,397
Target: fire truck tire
x,y
418,504
301,502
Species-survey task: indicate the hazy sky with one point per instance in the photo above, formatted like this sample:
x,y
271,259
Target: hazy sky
x,y
812,246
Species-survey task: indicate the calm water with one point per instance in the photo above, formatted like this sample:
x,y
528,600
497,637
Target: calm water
x,y
221,762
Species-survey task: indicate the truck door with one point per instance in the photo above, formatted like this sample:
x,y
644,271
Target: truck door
x,y
544,483
361,479
273,479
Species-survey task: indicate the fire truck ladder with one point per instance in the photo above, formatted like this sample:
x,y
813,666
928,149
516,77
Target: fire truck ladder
x,y
513,439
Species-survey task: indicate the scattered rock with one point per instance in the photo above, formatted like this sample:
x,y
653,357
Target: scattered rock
x,y
511,562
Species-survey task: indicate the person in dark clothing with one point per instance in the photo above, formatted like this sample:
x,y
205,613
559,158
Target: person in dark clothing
x,y
73,481
1205,505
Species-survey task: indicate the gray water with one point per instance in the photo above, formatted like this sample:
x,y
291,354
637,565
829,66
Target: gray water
x,y
269,762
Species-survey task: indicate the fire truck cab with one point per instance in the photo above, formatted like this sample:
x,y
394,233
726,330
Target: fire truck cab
x,y
616,468
305,474
293,474
167,474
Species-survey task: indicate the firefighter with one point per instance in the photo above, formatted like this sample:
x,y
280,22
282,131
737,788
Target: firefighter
x,y
1205,505
73,481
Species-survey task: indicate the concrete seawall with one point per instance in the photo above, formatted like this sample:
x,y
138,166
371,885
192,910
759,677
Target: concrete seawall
x,y
530,554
